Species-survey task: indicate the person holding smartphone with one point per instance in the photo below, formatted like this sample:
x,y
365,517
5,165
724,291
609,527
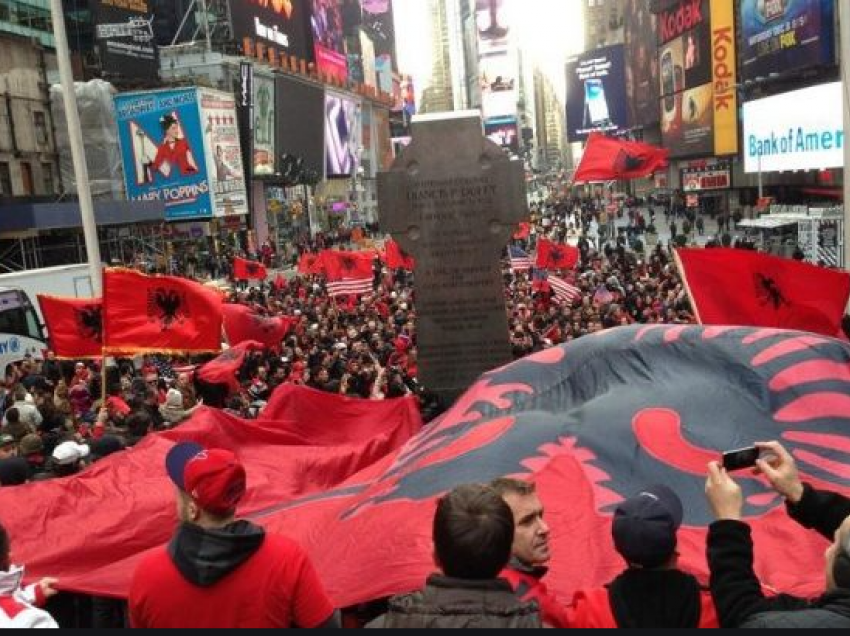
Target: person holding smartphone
x,y
735,587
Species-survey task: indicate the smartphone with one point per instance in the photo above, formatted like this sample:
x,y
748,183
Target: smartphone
x,y
741,459
596,102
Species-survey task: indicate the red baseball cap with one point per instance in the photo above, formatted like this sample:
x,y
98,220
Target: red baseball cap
x,y
214,478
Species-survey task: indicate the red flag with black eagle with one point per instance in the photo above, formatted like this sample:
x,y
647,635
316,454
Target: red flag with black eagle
x,y
74,326
243,323
523,232
397,258
348,265
311,264
607,159
248,270
159,314
224,368
740,287
333,472
552,255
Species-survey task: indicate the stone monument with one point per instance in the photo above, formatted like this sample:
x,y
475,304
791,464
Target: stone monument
x,y
452,200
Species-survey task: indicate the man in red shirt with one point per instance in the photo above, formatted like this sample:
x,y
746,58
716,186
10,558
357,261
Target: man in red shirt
x,y
530,552
220,572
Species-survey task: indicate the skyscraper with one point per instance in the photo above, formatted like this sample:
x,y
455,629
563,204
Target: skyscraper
x,y
603,23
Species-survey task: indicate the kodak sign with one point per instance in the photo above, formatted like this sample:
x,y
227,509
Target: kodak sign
x,y
675,22
724,73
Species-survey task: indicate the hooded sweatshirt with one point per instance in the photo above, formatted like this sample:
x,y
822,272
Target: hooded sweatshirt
x,y
236,576
19,605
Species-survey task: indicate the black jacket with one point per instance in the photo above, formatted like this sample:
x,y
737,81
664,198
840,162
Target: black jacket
x,y
736,589
453,603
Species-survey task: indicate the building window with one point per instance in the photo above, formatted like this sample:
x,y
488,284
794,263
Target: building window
x,y
27,180
5,180
39,121
47,178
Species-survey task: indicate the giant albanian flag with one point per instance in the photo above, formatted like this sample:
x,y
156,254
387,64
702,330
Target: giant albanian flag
x,y
591,423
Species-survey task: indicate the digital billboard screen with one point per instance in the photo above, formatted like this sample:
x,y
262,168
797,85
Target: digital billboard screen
x,y
641,63
379,24
162,148
299,122
596,93
282,24
499,84
786,35
224,152
342,135
800,130
697,78
504,132
494,32
264,159
329,38
125,36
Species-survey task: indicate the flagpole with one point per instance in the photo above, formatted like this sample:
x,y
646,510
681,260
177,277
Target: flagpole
x,y
687,285
78,153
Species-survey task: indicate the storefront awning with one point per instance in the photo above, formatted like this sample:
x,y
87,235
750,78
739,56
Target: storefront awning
x,y
768,223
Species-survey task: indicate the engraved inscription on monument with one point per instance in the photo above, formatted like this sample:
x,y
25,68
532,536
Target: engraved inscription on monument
x,y
452,200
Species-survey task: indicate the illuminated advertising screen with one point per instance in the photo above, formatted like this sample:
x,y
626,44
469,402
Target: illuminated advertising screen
x,y
697,78
379,24
504,132
283,24
224,152
785,35
162,147
299,122
342,135
264,126
328,38
641,63
125,37
494,33
800,130
499,84
596,93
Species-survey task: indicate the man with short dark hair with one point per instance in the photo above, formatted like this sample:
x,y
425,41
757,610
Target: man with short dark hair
x,y
220,572
530,552
652,592
473,532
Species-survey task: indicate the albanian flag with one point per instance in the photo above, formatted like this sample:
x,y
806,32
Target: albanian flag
x,y
159,314
740,287
397,258
310,263
591,423
556,256
242,323
74,325
523,232
607,159
224,368
348,265
248,270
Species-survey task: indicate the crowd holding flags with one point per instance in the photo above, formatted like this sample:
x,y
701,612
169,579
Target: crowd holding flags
x,y
249,270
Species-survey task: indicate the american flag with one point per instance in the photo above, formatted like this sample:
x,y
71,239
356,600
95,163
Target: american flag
x,y
520,261
563,290
349,286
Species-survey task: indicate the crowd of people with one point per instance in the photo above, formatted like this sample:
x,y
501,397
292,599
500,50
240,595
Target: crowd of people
x,y
58,417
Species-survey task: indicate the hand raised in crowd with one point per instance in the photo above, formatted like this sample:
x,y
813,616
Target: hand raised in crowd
x,y
724,494
779,467
48,587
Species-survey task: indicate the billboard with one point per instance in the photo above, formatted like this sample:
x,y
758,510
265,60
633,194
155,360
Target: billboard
x,y
641,63
596,93
300,122
284,25
786,35
499,84
367,55
224,152
383,141
162,148
494,34
379,24
800,130
264,126
125,37
697,78
342,135
504,132
328,38
705,176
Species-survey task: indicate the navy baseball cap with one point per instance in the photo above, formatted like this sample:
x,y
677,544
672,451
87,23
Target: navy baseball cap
x,y
645,526
214,478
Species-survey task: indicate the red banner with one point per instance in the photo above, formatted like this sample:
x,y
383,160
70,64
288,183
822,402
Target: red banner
x,y
248,270
523,232
242,323
224,368
311,264
397,258
348,265
607,159
555,256
159,314
74,326
740,287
